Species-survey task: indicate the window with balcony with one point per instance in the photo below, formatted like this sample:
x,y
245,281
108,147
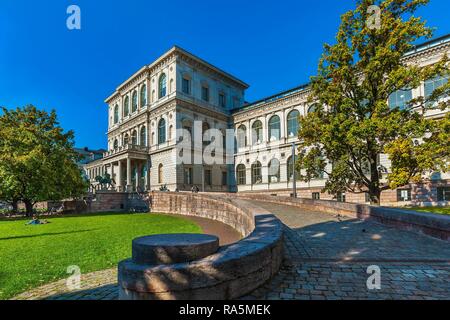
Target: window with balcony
x,y
134,138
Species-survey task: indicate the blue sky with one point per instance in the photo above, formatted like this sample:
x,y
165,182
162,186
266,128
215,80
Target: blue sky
x,y
271,45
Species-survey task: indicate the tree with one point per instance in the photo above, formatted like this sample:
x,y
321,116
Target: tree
x,y
352,123
37,159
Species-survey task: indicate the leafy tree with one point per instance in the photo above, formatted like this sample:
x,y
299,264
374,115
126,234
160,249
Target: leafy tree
x,y
353,124
37,159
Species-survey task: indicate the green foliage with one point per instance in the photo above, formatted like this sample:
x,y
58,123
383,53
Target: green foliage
x,y
354,123
92,242
37,159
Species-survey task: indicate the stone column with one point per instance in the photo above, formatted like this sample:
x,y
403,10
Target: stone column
x,y
128,174
147,177
119,176
112,175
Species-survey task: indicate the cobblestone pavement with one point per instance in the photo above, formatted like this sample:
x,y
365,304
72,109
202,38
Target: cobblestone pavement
x,y
326,258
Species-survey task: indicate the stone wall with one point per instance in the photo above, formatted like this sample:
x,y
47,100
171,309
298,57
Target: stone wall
x,y
235,270
434,225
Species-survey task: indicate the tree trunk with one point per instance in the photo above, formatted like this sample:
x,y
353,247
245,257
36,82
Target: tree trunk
x,y
15,206
375,196
28,207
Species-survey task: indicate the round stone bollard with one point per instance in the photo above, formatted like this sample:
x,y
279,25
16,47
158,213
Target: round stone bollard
x,y
173,248
154,269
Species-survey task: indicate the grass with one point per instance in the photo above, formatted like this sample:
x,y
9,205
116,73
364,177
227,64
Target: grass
x,y
31,256
437,210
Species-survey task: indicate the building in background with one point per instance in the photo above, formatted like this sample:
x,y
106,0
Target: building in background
x,y
179,89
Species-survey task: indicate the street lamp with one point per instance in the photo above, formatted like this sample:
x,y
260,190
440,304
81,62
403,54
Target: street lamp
x,y
294,184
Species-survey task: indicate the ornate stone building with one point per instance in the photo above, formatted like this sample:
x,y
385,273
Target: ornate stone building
x,y
179,89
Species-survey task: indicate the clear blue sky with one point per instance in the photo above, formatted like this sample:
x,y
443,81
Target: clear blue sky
x,y
271,45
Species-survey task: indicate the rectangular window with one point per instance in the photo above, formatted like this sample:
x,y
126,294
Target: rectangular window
x,y
208,177
205,93
224,178
340,197
188,175
403,195
367,197
443,194
316,195
186,86
400,98
222,100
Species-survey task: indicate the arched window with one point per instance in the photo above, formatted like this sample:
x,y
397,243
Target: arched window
x,y
274,128
160,173
274,171
144,136
290,170
116,114
126,106
313,108
116,144
256,173
162,85
134,102
134,138
242,136
125,139
257,133
143,95
162,131
241,175
292,123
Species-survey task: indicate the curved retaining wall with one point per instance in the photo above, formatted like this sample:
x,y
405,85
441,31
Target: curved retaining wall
x,y
437,226
235,270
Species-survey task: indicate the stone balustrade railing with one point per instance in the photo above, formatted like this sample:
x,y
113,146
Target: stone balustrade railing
x,y
127,147
437,226
231,272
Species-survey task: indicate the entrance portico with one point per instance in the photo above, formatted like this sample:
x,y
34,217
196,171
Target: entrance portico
x,y
129,168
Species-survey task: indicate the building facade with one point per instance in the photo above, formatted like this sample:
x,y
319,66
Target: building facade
x,y
179,89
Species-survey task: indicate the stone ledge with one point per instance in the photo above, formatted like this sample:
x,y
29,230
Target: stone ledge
x,y
235,270
437,226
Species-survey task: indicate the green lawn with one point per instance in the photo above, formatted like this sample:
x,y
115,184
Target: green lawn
x,y
31,256
438,210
